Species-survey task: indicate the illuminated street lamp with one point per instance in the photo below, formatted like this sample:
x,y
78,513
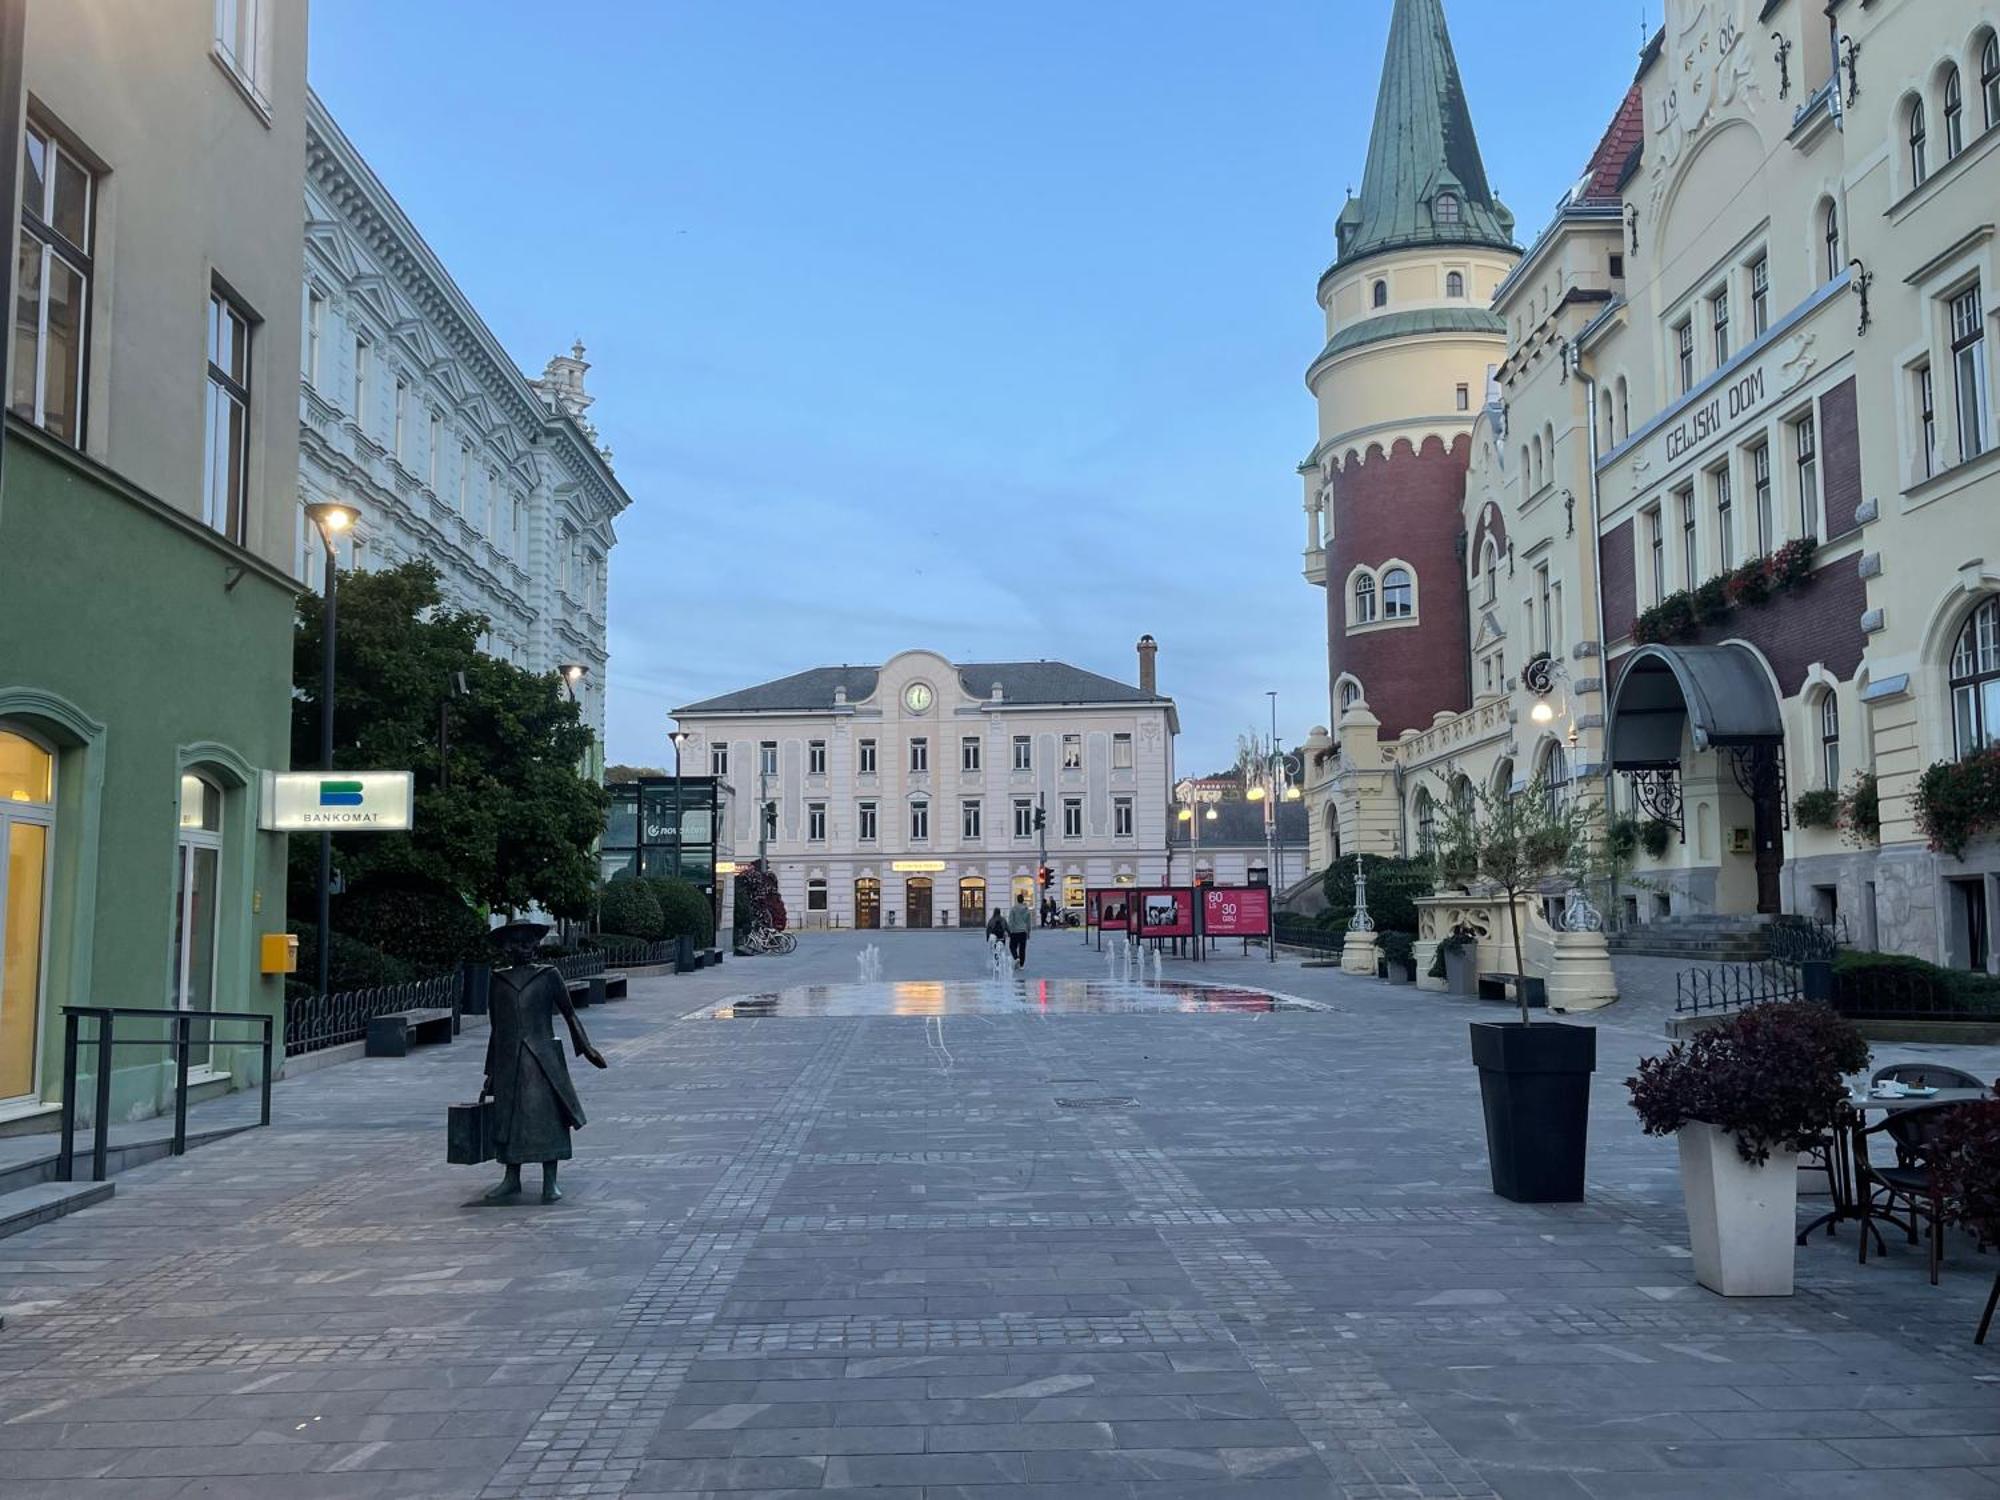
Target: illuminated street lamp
x,y
572,672
330,518
680,737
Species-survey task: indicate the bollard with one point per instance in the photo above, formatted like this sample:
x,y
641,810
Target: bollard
x,y
476,987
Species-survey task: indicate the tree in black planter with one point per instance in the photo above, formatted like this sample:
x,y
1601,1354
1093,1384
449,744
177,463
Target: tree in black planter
x,y
1534,1080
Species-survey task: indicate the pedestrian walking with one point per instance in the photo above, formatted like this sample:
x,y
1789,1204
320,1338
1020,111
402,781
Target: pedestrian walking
x,y
1020,917
996,929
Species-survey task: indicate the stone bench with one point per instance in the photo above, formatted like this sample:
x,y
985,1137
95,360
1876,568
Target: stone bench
x,y
1496,986
390,1035
596,989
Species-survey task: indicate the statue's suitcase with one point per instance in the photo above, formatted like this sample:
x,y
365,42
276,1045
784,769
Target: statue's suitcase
x,y
469,1133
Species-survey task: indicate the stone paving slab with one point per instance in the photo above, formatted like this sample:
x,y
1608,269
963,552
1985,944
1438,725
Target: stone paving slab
x,y
874,1255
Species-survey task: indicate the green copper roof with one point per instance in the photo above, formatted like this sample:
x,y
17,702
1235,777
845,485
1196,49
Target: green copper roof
x,y
1405,325
1423,149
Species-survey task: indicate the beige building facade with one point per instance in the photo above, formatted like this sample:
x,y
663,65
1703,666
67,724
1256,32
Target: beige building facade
x,y
1735,507
906,795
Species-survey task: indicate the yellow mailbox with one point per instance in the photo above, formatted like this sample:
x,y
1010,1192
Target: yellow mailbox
x,y
280,953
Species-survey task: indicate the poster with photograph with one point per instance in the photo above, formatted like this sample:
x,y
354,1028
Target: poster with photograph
x,y
1238,911
1114,910
1090,899
1168,913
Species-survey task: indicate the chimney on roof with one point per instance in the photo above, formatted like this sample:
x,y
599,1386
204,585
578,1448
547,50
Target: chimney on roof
x,y
1149,674
999,693
839,693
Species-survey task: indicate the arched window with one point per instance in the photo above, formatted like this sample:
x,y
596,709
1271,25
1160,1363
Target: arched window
x,y
1447,209
1490,563
1399,595
1624,409
1975,681
27,835
1555,777
1549,442
1427,824
1462,795
1919,145
1503,779
1364,599
1381,294
1954,115
1830,233
1829,741
1454,284
1350,694
1989,78
1535,473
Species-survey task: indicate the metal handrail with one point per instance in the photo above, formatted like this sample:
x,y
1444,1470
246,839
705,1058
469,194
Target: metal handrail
x,y
106,1018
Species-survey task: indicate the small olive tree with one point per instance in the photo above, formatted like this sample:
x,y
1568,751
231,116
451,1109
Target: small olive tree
x,y
1513,841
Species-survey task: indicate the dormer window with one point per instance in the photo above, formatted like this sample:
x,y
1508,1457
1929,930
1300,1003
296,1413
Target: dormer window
x,y
1454,284
1446,211
1381,294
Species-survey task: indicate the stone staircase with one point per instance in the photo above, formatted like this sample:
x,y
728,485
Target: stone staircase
x,y
1712,938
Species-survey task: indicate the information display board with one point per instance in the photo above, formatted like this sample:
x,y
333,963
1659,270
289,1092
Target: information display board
x,y
1114,910
1166,913
1236,911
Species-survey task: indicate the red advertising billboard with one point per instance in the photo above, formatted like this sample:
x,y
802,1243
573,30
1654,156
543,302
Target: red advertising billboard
x,y
1090,908
1166,913
1238,911
1114,910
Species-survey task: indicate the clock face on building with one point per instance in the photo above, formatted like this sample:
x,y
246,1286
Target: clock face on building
x,y
917,697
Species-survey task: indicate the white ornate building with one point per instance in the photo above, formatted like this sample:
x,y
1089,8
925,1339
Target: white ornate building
x,y
411,411
904,795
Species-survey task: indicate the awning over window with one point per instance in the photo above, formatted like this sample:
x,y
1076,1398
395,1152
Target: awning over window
x,y
1721,693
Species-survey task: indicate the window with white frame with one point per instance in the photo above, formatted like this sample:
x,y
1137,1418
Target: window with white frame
x,y
1829,741
968,753
243,45
1954,115
1462,398
1968,365
483,517
816,822
1024,818
920,754
1121,817
402,416
1072,817
1121,752
767,758
1760,296
1805,467
1364,600
226,445
920,822
315,333
1024,752
435,434
198,883
1926,399
1989,78
1072,752
1542,593
1690,545
464,479
1350,694
364,358
1454,284
1975,681
718,760
1718,322
1684,354
1760,484
864,822
865,757
1490,564
1446,209
53,285
815,757
1399,594
770,820
969,822
1656,548
1919,144
1725,518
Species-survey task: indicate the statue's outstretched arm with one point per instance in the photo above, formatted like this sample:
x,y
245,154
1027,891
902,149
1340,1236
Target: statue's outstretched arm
x,y
578,1041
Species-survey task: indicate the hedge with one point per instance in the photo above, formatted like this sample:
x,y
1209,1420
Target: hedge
x,y
684,911
630,908
426,926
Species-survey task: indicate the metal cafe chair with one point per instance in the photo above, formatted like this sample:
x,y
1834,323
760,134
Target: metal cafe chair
x,y
1911,1180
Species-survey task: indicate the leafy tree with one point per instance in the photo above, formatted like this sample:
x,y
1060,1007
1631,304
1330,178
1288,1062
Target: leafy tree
x,y
1514,842
425,926
630,908
514,823
620,774
684,910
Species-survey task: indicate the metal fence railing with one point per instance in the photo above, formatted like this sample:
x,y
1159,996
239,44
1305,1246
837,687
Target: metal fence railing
x,y
1304,932
1886,994
631,952
314,1022
580,965
1719,987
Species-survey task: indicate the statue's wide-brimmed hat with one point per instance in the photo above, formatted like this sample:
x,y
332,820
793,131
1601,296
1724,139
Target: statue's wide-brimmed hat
x,y
518,935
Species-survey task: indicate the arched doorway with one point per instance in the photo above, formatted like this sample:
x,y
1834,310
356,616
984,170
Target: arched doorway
x,y
917,901
868,902
971,902
1714,708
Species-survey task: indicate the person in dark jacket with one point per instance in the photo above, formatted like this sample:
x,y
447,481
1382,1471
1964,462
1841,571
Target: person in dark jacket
x,y
534,1103
996,927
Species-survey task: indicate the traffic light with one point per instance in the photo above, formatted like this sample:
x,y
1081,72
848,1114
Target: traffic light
x,y
1046,876
1041,819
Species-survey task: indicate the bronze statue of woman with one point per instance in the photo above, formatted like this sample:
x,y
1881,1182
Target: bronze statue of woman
x,y
534,1104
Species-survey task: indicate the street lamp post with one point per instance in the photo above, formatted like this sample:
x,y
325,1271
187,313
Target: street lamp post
x,y
680,739
330,518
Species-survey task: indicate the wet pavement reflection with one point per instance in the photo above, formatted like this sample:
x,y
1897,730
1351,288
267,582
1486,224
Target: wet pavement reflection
x,y
991,997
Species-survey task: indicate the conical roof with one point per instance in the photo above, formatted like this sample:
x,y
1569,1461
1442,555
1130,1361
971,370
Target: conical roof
x,y
1423,158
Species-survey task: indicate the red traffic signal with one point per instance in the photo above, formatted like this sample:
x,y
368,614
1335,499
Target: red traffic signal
x,y
1046,876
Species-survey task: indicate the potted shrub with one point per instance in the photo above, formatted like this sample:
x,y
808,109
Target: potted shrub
x,y
1398,950
1534,1077
1819,808
1655,835
1456,962
1766,1082
1967,1164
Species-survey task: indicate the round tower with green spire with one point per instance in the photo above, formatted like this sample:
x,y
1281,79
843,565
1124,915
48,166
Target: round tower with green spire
x,y
1411,340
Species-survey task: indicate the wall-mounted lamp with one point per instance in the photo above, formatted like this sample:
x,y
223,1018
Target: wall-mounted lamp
x,y
1861,281
1784,63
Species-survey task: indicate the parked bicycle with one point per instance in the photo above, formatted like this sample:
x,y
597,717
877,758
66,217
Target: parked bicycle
x,y
765,940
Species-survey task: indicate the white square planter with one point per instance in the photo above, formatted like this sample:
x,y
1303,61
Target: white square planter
x,y
1742,1220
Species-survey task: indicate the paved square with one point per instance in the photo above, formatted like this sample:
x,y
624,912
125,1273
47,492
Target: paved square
x,y
1147,1256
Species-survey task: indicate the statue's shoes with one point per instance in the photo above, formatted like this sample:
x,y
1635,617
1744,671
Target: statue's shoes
x,y
551,1193
505,1190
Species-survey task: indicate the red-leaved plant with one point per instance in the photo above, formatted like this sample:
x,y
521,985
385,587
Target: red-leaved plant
x,y
1772,1076
1967,1163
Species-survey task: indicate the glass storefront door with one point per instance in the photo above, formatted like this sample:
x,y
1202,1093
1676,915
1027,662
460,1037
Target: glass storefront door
x,y
972,902
198,856
27,825
867,903
917,901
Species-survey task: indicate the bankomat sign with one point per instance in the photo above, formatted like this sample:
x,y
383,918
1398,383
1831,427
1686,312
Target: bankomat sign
x,y
338,801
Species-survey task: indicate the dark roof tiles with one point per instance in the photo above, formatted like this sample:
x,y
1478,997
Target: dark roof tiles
x,y
1020,682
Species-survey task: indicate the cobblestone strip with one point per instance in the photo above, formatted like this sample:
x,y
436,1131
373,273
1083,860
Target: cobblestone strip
x,y
1373,1444
592,1436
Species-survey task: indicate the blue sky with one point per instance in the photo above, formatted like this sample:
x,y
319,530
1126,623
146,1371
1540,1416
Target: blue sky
x,y
969,324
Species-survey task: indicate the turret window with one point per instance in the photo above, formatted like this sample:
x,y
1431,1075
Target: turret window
x,y
1381,294
1447,211
1454,284
1398,595
1364,599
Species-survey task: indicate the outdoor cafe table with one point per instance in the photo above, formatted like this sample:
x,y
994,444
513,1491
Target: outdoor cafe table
x,y
1848,1148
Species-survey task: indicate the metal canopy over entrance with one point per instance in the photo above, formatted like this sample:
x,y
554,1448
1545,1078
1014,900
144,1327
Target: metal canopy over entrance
x,y
1719,692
